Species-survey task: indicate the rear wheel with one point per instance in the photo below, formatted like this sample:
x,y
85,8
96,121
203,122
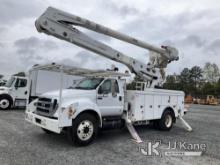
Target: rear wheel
x,y
166,122
5,103
84,130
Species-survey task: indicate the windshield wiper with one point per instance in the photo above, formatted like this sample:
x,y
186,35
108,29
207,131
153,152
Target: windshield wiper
x,y
85,88
77,88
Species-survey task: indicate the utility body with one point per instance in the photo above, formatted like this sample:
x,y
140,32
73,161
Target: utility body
x,y
100,100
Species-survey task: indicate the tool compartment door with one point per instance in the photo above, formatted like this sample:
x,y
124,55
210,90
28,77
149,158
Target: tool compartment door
x,y
142,105
138,107
149,107
158,108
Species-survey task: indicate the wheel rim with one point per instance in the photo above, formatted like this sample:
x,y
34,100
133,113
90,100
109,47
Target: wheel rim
x,y
4,103
168,121
85,130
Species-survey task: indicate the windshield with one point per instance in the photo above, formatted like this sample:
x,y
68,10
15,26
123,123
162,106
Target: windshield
x,y
10,82
91,83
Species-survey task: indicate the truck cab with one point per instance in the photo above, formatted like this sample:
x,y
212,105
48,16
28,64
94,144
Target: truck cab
x,y
105,93
14,93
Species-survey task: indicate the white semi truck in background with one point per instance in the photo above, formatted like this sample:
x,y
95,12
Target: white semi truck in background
x,y
101,100
19,90
14,93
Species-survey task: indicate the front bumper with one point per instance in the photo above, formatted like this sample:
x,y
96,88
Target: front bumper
x,y
43,122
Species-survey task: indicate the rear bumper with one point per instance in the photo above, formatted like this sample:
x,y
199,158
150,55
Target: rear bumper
x,y
43,122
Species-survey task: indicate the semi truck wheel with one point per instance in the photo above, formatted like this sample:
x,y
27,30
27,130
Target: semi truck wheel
x,y
84,130
5,103
166,122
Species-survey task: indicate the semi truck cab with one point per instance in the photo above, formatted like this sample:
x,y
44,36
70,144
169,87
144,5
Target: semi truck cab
x,y
14,93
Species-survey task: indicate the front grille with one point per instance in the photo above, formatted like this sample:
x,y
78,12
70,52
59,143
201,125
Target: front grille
x,y
45,99
46,106
43,110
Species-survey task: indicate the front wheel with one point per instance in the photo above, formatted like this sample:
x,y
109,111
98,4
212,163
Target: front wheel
x,y
166,122
84,130
5,103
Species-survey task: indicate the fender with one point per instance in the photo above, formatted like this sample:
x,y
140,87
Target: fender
x,y
172,110
5,95
79,106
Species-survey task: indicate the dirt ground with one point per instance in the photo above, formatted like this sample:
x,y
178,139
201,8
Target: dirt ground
x,y
22,143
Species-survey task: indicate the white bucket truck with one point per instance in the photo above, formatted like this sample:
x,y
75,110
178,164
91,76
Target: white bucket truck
x,y
101,100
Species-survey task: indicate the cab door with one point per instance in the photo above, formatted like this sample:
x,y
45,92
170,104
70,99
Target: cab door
x,y
20,92
20,88
109,98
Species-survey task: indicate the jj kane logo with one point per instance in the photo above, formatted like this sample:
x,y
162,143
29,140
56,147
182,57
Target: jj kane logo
x,y
156,148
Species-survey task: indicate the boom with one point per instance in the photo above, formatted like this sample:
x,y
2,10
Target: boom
x,y
62,25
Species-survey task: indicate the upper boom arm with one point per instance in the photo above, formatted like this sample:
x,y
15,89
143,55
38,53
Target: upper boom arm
x,y
61,25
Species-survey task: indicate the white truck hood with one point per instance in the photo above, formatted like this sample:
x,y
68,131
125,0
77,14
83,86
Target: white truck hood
x,y
70,93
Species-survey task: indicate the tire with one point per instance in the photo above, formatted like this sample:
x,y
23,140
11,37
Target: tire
x,y
167,120
84,130
47,131
5,103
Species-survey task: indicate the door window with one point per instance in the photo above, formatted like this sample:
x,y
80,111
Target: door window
x,y
105,88
21,83
108,86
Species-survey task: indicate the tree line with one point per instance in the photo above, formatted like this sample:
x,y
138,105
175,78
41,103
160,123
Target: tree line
x,y
196,81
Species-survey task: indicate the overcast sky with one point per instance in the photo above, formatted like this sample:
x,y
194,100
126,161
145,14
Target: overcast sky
x,y
192,26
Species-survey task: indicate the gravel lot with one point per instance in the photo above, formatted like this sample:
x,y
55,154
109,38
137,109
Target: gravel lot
x,y
22,143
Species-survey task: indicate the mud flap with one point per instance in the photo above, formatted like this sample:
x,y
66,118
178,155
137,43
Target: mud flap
x,y
185,124
132,131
